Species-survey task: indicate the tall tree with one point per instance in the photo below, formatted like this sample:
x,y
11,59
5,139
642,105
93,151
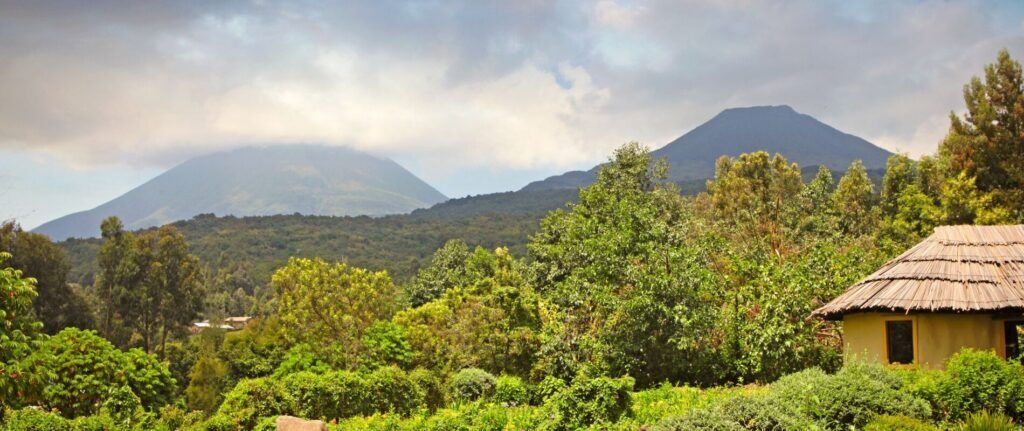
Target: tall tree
x,y
57,305
447,269
332,304
900,172
17,328
988,143
176,284
855,200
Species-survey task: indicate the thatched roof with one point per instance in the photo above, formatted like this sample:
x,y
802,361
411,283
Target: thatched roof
x,y
956,269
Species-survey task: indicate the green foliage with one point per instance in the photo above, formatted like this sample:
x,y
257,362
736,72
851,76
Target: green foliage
x,y
149,285
252,399
34,419
854,198
511,391
392,391
255,351
490,323
704,420
985,421
447,269
58,304
471,384
430,385
17,329
121,405
386,343
898,423
976,380
207,381
985,145
319,301
301,357
74,371
546,389
589,401
851,397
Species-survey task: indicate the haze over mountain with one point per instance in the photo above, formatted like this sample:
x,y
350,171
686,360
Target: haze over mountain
x,y
283,179
775,129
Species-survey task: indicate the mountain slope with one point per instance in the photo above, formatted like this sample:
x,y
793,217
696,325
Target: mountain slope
x,y
286,179
775,129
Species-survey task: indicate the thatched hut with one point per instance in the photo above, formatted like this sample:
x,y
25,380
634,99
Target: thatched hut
x,y
963,286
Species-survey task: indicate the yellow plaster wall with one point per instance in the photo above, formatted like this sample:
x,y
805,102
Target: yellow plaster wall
x,y
937,336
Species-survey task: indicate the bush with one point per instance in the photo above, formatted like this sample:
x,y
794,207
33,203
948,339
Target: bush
x,y
252,399
33,419
122,405
312,394
430,385
392,391
301,357
850,398
546,389
386,344
976,380
586,402
207,379
149,379
472,384
95,423
701,419
760,413
349,394
511,391
985,421
898,423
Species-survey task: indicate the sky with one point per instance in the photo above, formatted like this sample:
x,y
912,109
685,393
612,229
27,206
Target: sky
x,y
473,97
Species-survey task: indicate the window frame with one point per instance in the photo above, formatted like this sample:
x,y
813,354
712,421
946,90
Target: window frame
x,y
913,340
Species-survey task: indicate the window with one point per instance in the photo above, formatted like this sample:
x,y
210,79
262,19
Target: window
x,y
1012,333
899,340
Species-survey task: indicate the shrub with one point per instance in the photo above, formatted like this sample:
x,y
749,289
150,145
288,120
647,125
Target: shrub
x,y
349,394
701,419
898,423
149,379
985,421
850,398
33,419
586,402
430,385
386,343
511,391
122,405
95,423
546,389
312,394
207,379
976,380
301,357
472,384
759,413
392,391
252,399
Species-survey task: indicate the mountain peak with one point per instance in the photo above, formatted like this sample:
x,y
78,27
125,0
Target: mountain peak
x,y
775,129
261,180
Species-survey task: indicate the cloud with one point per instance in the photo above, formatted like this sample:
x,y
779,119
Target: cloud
x,y
515,85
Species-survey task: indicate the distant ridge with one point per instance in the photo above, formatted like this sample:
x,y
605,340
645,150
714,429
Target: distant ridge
x,y
253,181
775,129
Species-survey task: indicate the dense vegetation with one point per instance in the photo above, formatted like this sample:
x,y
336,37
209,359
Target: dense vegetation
x,y
634,307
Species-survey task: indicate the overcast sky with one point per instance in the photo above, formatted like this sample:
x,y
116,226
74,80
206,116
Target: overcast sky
x,y
474,97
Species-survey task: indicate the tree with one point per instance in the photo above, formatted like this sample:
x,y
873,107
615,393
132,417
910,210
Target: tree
x,y
57,305
758,191
323,303
900,172
447,269
17,328
854,200
988,143
149,285
490,320
633,296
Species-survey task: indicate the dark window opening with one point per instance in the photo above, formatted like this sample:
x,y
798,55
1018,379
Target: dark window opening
x,y
1012,330
899,336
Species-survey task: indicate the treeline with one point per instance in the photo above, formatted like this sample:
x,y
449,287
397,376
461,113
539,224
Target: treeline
x,y
632,287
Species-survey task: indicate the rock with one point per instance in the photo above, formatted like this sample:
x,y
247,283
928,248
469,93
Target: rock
x,y
292,423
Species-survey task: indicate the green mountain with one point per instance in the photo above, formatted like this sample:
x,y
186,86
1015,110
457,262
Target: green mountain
x,y
254,181
775,129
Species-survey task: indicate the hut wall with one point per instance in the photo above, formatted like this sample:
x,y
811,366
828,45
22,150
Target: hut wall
x,y
937,336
